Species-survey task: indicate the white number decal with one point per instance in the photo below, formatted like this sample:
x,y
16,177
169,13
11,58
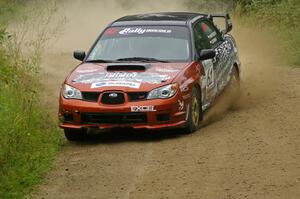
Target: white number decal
x,y
208,81
210,78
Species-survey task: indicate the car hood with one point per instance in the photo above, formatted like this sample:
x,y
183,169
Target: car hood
x,y
127,77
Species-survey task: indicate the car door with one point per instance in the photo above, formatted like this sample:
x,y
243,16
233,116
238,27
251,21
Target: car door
x,y
207,36
224,50
208,82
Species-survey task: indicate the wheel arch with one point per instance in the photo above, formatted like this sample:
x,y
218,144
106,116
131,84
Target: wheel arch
x,y
197,85
236,66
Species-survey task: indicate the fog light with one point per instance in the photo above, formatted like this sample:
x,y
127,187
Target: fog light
x,y
68,117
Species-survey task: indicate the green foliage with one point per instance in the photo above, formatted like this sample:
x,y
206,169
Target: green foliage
x,y
7,10
282,17
214,6
2,34
29,137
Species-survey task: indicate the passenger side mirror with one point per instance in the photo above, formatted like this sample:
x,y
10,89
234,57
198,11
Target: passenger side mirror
x,y
79,55
207,54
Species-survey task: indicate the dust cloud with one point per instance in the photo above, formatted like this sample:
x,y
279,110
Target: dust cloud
x,y
260,72
261,64
86,19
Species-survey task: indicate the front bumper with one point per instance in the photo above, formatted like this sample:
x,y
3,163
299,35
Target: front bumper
x,y
155,114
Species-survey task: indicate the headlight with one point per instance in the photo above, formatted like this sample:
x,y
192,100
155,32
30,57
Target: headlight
x,y
71,93
163,92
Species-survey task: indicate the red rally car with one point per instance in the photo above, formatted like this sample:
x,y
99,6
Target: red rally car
x,y
150,71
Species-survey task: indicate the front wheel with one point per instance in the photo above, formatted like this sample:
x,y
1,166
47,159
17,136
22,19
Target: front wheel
x,y
195,113
75,134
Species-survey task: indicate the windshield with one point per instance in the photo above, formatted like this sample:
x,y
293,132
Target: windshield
x,y
147,43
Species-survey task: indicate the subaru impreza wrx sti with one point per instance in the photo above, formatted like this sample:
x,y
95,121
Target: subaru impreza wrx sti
x,y
150,71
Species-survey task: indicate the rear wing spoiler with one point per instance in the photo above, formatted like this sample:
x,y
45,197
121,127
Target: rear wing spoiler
x,y
228,23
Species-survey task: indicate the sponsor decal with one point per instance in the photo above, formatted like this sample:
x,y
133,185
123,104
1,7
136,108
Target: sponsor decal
x,y
142,31
87,70
120,75
213,34
151,78
214,40
166,70
181,105
142,109
116,83
111,31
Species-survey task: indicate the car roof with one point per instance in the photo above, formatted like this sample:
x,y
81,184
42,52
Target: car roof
x,y
162,18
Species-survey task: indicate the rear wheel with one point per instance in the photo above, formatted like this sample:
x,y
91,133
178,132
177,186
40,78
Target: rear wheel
x,y
75,134
195,113
234,85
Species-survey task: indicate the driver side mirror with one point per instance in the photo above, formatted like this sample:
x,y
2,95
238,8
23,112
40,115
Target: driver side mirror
x,y
207,54
79,55
228,23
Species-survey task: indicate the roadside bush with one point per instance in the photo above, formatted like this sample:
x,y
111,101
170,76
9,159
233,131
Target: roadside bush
x,y
214,6
281,17
29,137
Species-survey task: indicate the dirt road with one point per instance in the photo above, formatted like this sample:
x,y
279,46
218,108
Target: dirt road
x,y
252,151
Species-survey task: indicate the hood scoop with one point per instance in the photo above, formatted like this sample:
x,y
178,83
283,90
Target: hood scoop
x,y
127,67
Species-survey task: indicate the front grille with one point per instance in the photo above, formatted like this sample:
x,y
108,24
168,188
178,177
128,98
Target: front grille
x,y
113,118
135,96
113,98
90,96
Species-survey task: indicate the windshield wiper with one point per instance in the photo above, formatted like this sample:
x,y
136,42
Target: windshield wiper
x,y
100,61
142,59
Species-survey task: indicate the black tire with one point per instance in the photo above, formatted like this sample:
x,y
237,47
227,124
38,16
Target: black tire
x,y
75,135
234,85
195,114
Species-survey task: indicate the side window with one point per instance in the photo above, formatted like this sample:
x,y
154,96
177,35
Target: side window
x,y
212,34
201,40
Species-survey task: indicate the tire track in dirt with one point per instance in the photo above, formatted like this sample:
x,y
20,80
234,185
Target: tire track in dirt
x,y
140,171
249,152
252,151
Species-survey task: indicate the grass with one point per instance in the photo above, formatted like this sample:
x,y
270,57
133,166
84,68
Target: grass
x,y
29,137
280,17
29,141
